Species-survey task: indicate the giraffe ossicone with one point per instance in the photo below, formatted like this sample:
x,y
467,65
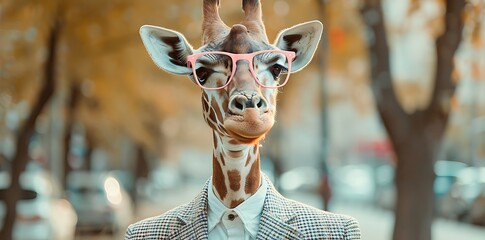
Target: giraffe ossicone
x,y
241,113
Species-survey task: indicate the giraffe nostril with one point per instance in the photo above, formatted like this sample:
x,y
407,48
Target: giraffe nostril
x,y
238,105
260,104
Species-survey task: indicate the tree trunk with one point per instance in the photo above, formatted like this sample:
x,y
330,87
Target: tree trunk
x,y
88,156
141,170
414,185
415,137
75,93
19,162
324,190
67,147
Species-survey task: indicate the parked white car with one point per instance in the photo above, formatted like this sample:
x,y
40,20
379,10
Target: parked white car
x,y
100,201
466,199
46,215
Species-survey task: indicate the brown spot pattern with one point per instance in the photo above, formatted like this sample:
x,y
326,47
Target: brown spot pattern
x,y
235,203
225,105
214,137
212,115
211,124
248,160
223,161
216,109
253,178
222,91
218,178
222,130
205,105
235,154
234,179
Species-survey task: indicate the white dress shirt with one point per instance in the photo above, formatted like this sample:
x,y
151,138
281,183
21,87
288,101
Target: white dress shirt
x,y
241,222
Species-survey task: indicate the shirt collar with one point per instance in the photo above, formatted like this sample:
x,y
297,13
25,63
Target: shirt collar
x,y
249,211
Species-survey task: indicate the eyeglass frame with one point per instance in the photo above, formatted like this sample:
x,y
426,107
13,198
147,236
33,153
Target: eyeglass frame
x,y
235,57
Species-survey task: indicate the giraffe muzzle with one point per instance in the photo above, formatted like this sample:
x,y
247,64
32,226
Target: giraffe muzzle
x,y
249,117
239,103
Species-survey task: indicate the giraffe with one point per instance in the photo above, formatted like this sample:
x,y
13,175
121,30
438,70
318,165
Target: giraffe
x,y
239,73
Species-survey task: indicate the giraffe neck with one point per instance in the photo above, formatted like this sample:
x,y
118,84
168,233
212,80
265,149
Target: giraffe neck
x,y
235,171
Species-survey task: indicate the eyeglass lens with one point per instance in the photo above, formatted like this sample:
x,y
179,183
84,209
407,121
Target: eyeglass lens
x,y
214,70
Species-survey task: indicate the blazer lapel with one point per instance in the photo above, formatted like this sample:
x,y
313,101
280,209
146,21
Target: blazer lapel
x,y
275,218
194,222
274,222
273,228
196,229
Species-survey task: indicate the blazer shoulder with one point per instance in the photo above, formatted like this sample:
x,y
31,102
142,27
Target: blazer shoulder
x,y
334,226
158,227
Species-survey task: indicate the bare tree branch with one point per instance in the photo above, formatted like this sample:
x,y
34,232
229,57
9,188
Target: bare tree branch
x,y
446,46
394,118
22,149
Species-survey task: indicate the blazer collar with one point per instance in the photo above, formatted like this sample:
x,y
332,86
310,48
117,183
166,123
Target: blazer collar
x,y
193,220
276,217
274,223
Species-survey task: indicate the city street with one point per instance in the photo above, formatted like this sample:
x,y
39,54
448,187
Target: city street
x,y
377,225
118,110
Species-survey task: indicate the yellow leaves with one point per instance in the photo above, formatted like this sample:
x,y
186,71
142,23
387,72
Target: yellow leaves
x,y
474,16
345,35
476,37
455,75
477,71
23,27
436,26
412,95
473,59
414,5
454,103
337,38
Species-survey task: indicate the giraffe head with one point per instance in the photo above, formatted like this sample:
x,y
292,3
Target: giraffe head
x,y
238,70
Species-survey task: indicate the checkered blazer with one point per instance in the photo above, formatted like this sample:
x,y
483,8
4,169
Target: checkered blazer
x,y
281,218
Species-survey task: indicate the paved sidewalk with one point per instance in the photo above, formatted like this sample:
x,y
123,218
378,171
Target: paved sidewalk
x,y
377,224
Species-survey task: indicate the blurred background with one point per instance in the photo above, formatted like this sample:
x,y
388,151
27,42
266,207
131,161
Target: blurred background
x,y
94,137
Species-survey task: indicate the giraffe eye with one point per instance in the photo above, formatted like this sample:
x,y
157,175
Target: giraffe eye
x,y
202,74
276,70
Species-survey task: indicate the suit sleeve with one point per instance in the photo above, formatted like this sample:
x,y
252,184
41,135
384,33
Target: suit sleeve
x,y
352,230
129,233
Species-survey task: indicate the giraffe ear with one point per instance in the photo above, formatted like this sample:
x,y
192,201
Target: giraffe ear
x,y
302,39
167,48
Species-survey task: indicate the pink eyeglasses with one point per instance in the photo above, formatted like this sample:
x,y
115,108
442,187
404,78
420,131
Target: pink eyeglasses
x,y
272,66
